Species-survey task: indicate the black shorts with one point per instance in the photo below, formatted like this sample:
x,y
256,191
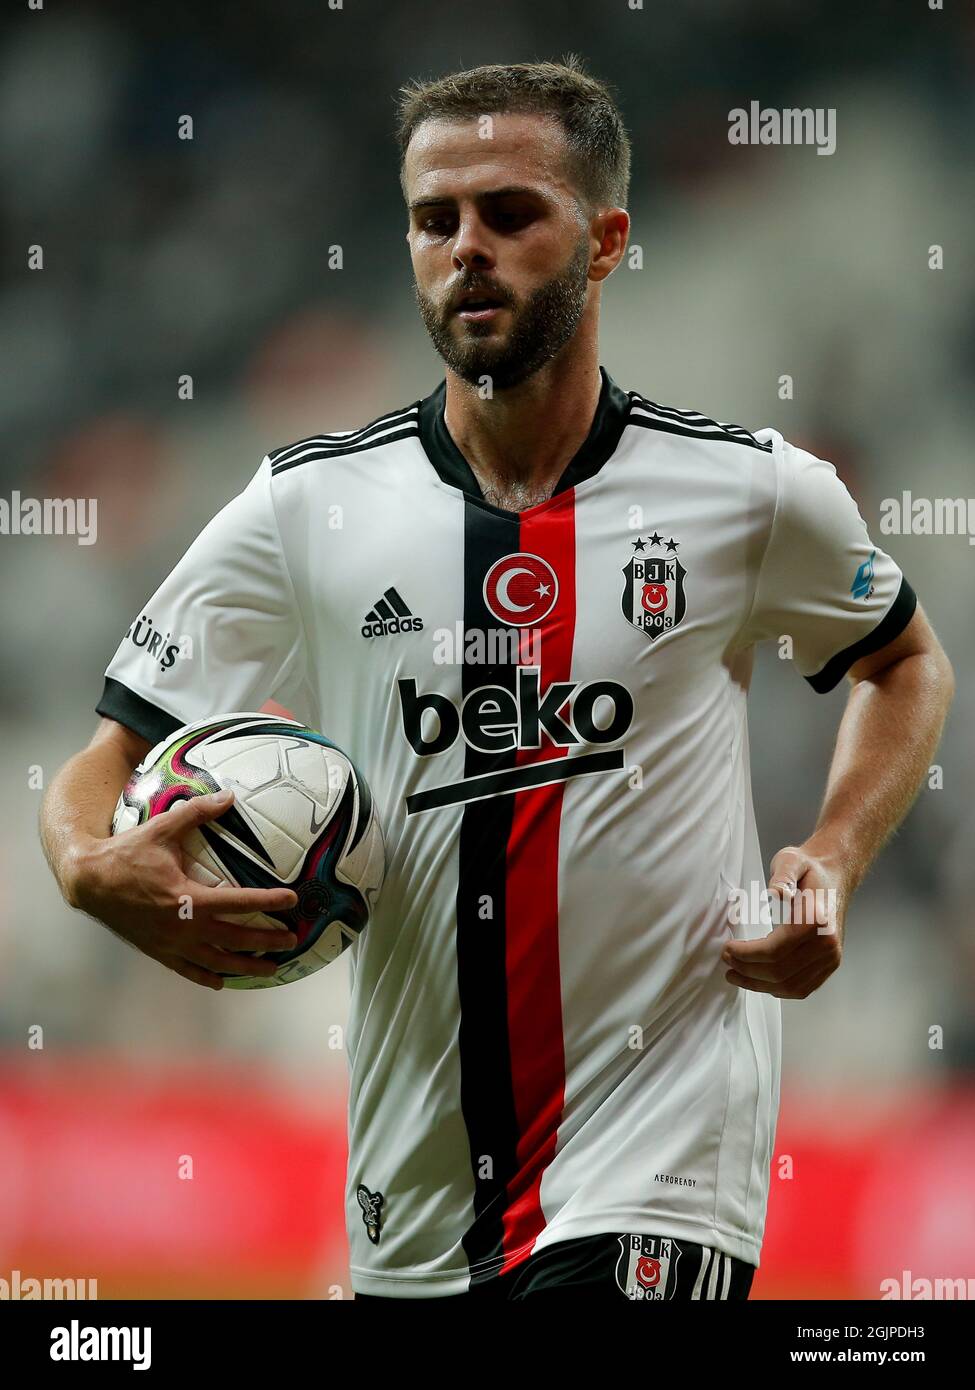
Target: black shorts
x,y
611,1269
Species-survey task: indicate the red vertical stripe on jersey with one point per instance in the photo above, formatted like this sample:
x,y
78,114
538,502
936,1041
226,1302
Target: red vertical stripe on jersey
x,y
532,886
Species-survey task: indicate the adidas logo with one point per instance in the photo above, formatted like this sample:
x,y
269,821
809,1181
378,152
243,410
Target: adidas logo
x,y
390,615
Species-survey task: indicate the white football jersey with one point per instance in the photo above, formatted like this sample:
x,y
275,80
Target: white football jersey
x,y
550,708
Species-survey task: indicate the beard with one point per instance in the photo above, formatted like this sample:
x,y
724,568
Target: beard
x,y
541,326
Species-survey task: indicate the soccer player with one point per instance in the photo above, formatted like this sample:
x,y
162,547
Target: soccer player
x,y
526,605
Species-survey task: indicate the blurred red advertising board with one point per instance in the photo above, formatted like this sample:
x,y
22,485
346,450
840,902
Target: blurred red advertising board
x,y
210,1181
203,1179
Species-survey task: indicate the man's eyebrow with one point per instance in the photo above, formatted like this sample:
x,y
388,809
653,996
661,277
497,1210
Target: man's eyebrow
x,y
446,200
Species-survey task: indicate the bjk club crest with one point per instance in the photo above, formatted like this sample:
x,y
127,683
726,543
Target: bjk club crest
x,y
646,1268
653,595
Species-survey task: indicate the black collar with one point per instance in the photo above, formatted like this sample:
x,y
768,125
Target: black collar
x,y
608,423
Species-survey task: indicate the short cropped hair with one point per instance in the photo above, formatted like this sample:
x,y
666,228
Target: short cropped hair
x,y
596,139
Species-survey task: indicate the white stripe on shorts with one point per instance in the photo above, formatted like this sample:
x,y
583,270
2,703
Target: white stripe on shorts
x,y
699,1281
715,1270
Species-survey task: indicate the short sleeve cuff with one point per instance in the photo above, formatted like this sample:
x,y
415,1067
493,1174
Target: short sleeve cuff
x,y
147,720
890,626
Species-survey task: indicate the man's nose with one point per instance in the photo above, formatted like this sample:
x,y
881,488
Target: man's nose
x,y
472,247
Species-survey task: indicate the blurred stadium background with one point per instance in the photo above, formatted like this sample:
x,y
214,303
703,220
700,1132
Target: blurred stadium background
x,y
211,257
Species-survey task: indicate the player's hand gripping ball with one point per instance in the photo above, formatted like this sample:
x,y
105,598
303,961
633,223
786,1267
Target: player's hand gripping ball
x,y
302,818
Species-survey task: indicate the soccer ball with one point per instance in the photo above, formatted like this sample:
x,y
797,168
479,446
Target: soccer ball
x,y
302,817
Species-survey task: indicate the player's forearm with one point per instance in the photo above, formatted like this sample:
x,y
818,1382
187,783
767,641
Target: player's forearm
x,y
885,744
77,809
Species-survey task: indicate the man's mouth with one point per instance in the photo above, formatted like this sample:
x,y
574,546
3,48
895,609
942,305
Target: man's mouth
x,y
479,308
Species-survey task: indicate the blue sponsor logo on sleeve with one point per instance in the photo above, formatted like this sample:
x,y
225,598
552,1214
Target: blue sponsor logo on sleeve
x,y
862,585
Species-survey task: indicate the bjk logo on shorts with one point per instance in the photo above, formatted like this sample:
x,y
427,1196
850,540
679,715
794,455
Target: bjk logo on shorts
x,y
647,1267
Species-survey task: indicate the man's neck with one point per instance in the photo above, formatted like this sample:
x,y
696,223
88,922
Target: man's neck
x,y
519,443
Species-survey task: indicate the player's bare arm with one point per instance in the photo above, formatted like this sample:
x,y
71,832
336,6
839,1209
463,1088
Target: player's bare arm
x,y
135,882
895,711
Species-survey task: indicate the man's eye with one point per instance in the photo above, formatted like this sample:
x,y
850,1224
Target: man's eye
x,y
511,217
438,225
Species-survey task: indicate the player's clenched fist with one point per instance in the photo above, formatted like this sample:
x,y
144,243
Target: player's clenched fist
x,y
806,945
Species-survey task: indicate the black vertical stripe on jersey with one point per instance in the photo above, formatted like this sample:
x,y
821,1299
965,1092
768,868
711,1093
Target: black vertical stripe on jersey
x,y
487,1097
